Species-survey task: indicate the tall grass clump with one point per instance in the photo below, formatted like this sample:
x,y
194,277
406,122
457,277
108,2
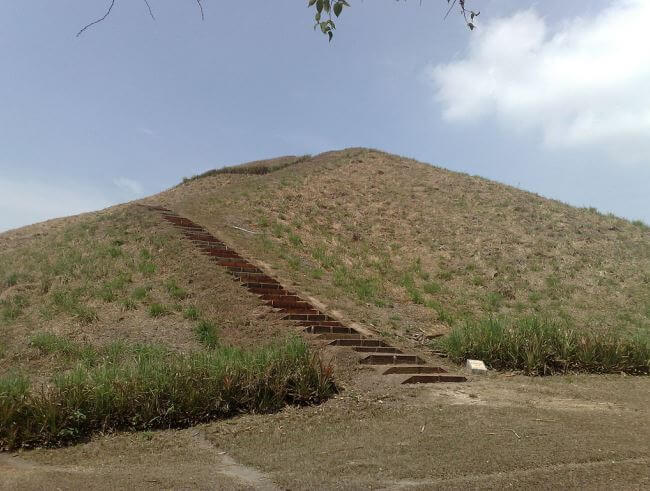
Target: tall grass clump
x,y
207,334
543,347
145,389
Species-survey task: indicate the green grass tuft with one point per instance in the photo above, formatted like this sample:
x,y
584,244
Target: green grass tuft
x,y
207,334
11,279
147,268
157,310
365,289
140,293
294,240
431,287
12,307
191,313
70,302
51,343
175,291
543,347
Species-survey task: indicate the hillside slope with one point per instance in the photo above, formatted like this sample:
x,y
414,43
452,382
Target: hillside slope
x,y
410,249
118,275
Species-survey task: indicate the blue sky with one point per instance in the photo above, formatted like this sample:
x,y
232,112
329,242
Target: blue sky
x,y
548,96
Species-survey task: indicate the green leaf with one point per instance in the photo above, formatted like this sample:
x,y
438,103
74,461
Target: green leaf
x,y
338,7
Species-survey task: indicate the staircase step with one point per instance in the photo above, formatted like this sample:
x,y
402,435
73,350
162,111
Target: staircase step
x,y
222,253
198,239
191,229
407,370
267,291
235,263
318,329
392,360
330,323
262,287
334,335
218,247
358,342
376,349
254,277
305,317
274,296
288,302
183,222
298,310
434,379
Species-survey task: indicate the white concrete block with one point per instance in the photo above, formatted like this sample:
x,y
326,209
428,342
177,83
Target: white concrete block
x,y
477,367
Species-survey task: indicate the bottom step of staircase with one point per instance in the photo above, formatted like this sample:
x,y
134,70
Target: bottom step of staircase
x,y
433,379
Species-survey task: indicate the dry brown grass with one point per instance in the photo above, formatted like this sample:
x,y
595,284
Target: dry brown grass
x,y
406,247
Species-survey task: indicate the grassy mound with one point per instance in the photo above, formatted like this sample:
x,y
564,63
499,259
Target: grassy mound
x,y
542,347
146,387
410,248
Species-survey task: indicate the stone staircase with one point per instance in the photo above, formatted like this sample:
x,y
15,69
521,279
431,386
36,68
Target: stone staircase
x,y
376,352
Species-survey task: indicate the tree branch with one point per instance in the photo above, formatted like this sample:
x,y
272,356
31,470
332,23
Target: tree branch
x,y
110,7
149,7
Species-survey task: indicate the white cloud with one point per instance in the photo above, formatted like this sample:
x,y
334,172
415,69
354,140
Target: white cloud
x,y
28,201
132,187
584,83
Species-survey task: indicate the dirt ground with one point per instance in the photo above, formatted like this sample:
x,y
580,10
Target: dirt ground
x,y
492,432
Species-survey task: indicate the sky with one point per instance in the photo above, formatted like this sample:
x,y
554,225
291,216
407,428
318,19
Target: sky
x,y
550,96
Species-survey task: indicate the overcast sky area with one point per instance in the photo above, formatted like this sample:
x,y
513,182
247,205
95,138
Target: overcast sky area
x,y
550,96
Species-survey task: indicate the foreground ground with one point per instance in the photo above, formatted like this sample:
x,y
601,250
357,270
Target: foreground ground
x,y
501,431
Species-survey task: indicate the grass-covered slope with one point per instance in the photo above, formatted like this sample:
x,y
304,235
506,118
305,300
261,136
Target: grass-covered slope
x,y
408,248
113,321
118,275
